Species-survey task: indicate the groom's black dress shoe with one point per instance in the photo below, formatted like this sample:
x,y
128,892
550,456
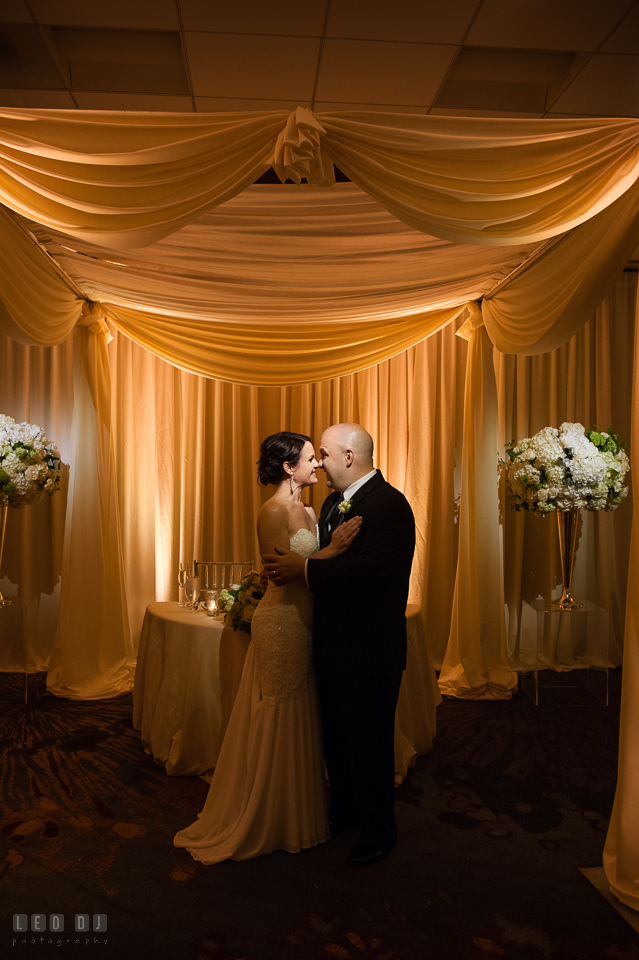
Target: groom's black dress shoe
x,y
367,852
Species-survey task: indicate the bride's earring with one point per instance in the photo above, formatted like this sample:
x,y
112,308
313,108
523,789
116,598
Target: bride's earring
x,y
292,485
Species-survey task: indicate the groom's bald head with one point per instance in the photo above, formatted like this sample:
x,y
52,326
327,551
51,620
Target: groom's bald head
x,y
346,452
350,436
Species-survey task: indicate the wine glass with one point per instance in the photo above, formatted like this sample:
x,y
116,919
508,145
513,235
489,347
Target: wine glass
x,y
183,574
192,591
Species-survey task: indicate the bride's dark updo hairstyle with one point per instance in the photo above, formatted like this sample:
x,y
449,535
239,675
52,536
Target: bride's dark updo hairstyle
x,y
277,450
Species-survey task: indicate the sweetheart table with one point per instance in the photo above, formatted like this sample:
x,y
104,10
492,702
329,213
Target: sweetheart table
x,y
177,705
188,672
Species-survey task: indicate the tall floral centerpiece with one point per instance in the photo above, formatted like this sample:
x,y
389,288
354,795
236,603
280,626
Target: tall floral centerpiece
x,y
29,470
567,470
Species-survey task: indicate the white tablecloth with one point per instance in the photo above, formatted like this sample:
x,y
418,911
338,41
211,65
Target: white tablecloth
x,y
188,673
418,698
177,703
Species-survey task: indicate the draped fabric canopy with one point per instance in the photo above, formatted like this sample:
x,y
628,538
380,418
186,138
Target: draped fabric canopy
x,y
131,179
282,285
285,253
547,302
285,288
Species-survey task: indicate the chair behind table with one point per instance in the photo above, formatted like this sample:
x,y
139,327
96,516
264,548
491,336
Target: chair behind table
x,y
221,574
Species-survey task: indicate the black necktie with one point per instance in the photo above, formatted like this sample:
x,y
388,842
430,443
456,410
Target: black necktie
x,y
331,515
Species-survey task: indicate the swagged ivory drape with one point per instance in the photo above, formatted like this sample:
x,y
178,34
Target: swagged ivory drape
x,y
570,184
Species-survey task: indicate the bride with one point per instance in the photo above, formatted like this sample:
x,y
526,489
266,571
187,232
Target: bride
x,y
267,791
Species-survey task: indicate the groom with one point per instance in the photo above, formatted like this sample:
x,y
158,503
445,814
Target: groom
x,y
359,636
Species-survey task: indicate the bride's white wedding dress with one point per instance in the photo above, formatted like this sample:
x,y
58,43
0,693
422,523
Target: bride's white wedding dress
x,y
267,791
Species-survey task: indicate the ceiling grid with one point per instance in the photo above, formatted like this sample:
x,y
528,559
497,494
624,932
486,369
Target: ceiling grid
x,y
502,58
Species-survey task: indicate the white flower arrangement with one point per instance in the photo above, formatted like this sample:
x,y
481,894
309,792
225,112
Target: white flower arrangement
x,y
345,506
240,601
29,464
567,469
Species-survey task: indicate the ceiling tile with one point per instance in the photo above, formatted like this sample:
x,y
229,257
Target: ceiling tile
x,y
546,24
25,61
550,114
331,106
15,11
455,112
284,17
146,78
121,61
231,65
512,66
217,104
125,14
625,39
491,94
133,101
37,99
429,21
370,71
118,46
607,86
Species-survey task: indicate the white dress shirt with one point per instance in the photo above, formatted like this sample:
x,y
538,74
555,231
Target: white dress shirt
x,y
354,487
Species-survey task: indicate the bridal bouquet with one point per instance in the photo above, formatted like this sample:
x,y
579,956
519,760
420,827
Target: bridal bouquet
x,y
29,464
567,469
240,601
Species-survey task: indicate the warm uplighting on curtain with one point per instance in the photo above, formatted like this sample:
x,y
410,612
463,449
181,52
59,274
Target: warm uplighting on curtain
x,y
161,237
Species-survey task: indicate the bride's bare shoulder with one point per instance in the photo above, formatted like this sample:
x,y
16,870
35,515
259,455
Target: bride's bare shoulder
x,y
272,526
274,504
273,511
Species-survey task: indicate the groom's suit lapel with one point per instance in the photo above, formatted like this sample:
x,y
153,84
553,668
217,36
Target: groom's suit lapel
x,y
357,498
336,517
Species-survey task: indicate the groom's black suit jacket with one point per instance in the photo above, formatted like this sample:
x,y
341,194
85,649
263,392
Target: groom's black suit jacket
x,y
359,598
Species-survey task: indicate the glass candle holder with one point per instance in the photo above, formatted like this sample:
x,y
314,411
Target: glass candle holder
x,y
212,602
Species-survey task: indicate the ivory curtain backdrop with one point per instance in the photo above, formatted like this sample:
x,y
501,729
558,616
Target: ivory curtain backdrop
x,y
204,436
621,853
185,451
587,380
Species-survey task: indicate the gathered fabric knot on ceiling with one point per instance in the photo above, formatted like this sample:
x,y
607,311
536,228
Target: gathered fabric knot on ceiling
x,y
298,152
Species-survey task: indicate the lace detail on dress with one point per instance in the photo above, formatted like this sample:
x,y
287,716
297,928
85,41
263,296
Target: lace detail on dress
x,y
281,631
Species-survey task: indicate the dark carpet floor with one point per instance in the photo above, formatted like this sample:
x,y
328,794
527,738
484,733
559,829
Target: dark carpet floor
x,y
494,826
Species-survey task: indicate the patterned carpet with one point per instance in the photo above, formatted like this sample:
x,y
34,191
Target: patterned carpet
x,y
494,826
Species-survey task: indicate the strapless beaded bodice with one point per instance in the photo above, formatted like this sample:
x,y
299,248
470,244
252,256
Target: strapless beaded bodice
x,y
304,542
